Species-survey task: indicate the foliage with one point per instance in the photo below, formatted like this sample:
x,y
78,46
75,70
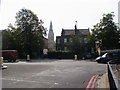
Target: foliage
x,y
0,41
58,51
7,39
105,31
76,44
27,35
53,54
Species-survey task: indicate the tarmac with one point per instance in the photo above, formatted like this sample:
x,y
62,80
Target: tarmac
x,y
101,81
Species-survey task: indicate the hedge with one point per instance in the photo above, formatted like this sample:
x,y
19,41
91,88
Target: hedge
x,y
62,55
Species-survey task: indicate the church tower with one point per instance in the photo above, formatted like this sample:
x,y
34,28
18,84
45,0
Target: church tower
x,y
51,37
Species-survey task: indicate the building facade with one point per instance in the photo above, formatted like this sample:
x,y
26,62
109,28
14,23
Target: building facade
x,y
51,37
66,37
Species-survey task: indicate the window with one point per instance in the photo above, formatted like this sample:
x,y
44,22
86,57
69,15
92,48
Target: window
x,y
65,40
58,41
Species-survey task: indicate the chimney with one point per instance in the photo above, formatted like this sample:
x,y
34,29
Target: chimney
x,y
76,31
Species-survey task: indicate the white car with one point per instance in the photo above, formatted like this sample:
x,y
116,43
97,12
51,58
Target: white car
x,y
3,67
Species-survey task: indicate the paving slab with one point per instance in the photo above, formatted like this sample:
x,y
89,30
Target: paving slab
x,y
102,81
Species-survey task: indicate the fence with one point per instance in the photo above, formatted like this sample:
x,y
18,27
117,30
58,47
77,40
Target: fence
x,y
114,76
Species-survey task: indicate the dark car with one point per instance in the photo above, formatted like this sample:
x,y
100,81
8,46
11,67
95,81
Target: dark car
x,y
109,56
10,55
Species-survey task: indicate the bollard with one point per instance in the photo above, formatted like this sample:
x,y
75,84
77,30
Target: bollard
x,y
1,61
1,64
28,57
75,57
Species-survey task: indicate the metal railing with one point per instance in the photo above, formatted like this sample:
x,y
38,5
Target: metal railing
x,y
113,76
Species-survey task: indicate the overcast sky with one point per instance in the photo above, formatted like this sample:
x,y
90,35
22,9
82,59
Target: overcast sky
x,y
62,13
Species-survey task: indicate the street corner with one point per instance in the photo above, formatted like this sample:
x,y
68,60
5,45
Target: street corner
x,y
98,81
102,81
92,82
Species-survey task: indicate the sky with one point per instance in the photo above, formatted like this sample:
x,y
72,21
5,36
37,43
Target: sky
x,y
62,13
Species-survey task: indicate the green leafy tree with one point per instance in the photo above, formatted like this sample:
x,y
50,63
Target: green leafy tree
x,y
32,30
0,40
76,45
28,33
7,39
105,31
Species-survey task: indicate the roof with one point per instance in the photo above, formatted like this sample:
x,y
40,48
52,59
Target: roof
x,y
58,36
68,32
72,32
84,31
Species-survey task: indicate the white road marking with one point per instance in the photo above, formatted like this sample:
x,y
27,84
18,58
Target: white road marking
x,y
18,80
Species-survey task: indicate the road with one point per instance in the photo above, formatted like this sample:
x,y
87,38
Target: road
x,y
50,74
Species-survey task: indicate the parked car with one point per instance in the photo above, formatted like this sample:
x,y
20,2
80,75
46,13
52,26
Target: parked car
x,y
10,55
113,56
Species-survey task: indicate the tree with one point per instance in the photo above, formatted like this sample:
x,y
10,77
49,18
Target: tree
x,y
28,33
0,40
107,32
7,39
76,45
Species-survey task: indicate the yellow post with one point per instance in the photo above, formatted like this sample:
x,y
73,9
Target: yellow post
x,y
99,51
28,57
75,57
1,61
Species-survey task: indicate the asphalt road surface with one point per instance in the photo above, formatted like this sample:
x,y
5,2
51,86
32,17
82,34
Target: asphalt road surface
x,y
50,74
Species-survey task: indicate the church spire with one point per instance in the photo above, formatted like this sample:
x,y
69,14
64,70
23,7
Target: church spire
x,y
51,25
51,37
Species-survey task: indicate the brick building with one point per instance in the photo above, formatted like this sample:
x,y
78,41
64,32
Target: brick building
x,y
66,37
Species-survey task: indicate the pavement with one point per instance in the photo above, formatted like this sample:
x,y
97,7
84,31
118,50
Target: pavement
x,y
102,81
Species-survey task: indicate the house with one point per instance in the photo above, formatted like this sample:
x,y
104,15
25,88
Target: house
x,y
66,37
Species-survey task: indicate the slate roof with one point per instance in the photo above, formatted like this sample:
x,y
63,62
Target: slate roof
x,y
68,32
72,32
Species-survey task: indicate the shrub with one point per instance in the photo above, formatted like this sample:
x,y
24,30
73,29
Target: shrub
x,y
61,55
